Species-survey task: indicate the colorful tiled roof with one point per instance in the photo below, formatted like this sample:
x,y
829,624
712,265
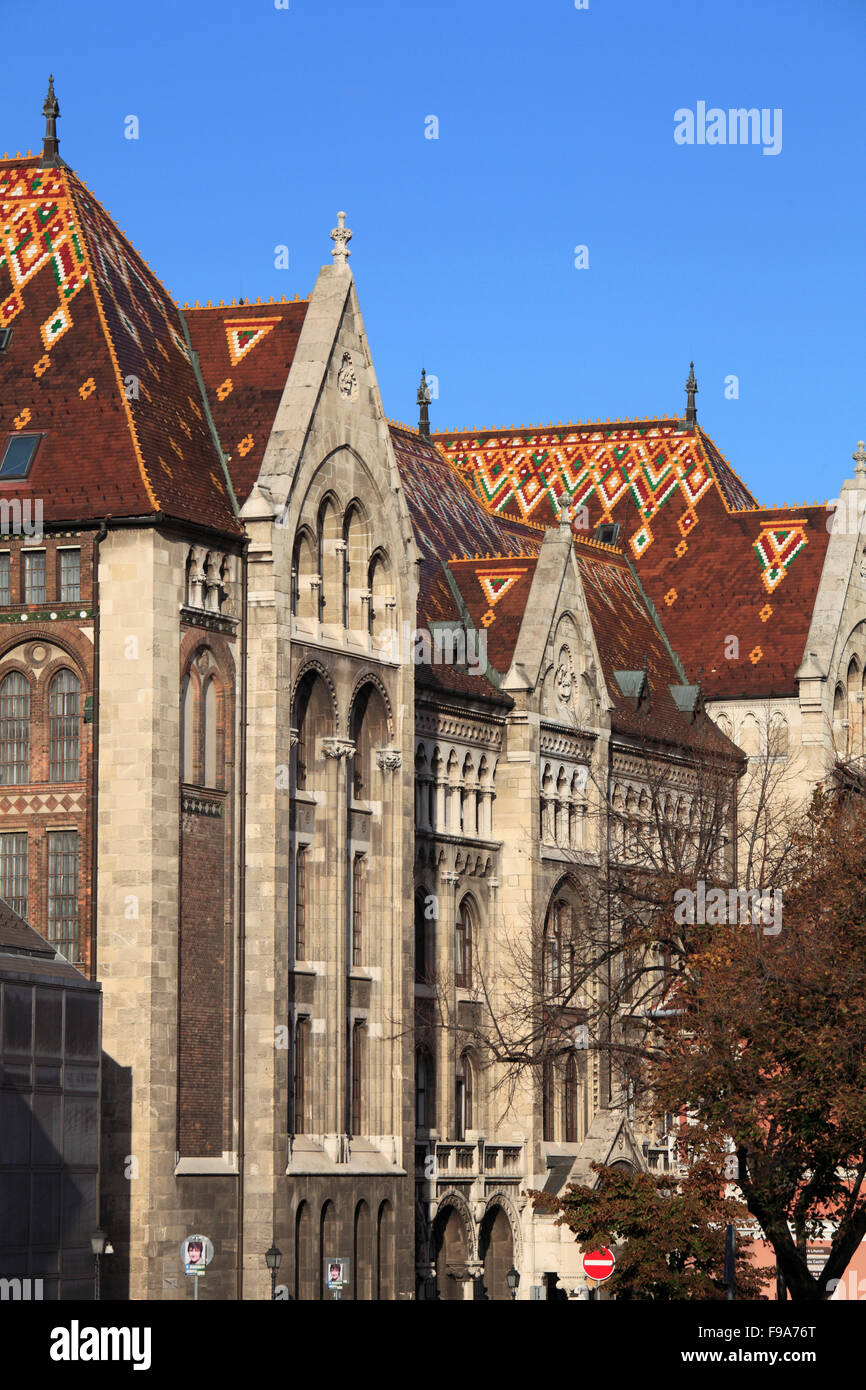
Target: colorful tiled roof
x,y
716,566
245,351
98,364
447,517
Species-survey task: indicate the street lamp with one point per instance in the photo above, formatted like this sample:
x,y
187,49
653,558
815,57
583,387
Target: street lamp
x,y
97,1245
272,1260
512,1279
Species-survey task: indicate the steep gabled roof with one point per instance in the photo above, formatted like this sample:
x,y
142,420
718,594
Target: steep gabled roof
x,y
98,364
245,351
715,565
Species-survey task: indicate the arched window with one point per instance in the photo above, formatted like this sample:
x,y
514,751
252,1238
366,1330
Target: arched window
x,y
855,709
187,734
303,1252
354,569
64,705
423,1089
329,534
362,1252
464,1097
14,730
547,1100
359,1047
380,589
385,1252
463,946
552,952
299,1076
209,734
313,717
303,594
569,1098
369,731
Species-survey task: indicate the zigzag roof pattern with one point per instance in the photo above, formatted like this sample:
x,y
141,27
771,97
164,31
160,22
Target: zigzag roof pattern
x,y
734,583
98,365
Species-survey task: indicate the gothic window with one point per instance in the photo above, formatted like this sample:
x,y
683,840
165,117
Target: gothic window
x,y
187,737
464,1097
5,579
313,719
369,731
301,902
855,710
380,589
552,952
354,568
14,730
359,871
299,1076
569,1098
547,1100
329,533
209,734
303,592
63,705
463,946
423,1089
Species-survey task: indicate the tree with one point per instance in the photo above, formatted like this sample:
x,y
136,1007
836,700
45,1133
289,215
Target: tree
x,y
768,1047
671,1246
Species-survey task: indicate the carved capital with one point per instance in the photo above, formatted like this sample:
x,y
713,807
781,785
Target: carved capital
x,y
389,759
337,747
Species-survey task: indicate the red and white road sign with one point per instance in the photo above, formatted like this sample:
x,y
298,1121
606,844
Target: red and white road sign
x,y
598,1264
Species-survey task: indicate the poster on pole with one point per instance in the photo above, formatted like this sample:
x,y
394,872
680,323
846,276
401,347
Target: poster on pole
x,y
196,1253
336,1272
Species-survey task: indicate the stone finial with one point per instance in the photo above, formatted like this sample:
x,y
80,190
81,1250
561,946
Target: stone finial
x,y
50,144
691,392
341,236
860,460
424,398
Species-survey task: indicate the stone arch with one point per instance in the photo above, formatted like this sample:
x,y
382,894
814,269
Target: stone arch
x,y
305,575
452,1240
380,586
499,1211
313,665
370,678
369,729
313,716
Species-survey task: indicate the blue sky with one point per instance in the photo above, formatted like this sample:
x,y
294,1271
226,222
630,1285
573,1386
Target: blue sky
x,y
555,130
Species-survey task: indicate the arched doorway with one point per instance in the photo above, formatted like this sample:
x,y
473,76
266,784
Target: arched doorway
x,y
496,1249
451,1254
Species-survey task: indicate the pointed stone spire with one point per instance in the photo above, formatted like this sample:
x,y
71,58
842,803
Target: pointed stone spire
x,y
424,398
341,236
691,392
860,460
51,145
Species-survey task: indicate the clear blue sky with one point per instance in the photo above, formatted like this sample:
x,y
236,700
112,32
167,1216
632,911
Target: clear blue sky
x,y
556,130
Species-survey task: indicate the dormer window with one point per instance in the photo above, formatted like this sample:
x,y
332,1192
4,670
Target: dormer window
x,y
18,455
5,338
608,532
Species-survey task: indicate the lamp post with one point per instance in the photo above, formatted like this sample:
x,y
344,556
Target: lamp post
x,y
97,1245
512,1279
272,1260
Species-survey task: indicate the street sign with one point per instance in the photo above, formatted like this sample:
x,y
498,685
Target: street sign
x,y
598,1264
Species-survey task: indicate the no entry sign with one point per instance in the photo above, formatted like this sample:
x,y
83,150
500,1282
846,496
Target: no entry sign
x,y
598,1264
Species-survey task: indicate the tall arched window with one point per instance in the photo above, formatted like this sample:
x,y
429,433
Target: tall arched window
x,y
464,1097
64,704
209,734
368,730
299,1076
14,730
463,946
547,1100
187,735
313,717
362,1252
569,1099
329,535
359,874
304,571
301,860
552,952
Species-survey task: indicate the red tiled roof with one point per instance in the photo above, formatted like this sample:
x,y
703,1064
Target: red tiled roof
x,y
245,351
714,564
98,364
